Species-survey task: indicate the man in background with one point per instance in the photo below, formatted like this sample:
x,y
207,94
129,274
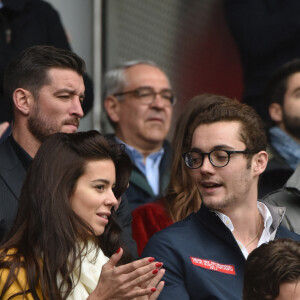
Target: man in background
x,y
282,96
139,103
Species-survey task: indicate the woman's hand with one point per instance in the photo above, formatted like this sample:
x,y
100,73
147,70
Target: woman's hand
x,y
154,282
138,280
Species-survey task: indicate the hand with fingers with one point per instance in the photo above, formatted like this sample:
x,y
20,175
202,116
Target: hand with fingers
x,y
139,280
155,282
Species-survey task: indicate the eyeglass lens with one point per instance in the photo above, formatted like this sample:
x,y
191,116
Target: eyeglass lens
x,y
218,158
147,95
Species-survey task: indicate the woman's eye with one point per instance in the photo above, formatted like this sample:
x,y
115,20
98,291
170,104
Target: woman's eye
x,y
100,187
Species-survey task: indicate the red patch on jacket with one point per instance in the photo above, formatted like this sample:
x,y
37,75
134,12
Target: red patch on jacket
x,y
212,265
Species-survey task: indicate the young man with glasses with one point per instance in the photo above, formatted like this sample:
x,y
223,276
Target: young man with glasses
x,y
139,103
204,255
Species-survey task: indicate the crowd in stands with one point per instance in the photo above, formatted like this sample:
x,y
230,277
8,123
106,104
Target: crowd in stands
x,y
212,214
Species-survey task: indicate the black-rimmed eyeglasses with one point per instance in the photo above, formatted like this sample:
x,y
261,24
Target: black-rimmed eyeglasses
x,y
147,95
218,158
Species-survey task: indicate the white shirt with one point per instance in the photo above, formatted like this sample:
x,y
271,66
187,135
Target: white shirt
x,y
267,222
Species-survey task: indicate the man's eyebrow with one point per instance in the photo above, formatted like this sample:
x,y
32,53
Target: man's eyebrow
x,y
217,147
65,90
70,91
150,87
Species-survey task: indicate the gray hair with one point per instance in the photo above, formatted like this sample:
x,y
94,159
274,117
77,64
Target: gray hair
x,y
115,79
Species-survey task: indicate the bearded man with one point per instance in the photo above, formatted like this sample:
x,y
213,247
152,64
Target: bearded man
x,y
283,96
46,90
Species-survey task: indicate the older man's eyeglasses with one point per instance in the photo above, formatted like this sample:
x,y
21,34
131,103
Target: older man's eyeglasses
x,y
147,95
218,158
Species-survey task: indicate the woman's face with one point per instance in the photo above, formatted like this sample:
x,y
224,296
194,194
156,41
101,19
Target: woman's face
x,y
93,197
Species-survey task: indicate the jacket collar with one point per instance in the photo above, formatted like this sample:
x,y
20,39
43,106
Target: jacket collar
x,y
205,214
294,182
277,214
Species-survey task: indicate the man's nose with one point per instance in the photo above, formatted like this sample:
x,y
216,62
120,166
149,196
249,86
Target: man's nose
x,y
77,108
207,166
158,101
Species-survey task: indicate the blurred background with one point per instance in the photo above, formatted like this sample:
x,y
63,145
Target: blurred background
x,y
190,40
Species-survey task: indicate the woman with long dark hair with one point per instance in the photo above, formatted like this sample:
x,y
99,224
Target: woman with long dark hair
x,y
65,228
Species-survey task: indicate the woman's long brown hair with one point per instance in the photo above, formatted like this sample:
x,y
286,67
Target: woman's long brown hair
x,y
47,234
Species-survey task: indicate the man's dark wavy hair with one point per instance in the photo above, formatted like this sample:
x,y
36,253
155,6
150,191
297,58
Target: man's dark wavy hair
x,y
29,70
269,266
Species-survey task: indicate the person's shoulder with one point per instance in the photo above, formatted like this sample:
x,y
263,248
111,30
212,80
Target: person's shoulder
x,y
9,254
41,8
277,198
20,284
40,4
287,194
6,150
283,232
181,229
155,206
172,240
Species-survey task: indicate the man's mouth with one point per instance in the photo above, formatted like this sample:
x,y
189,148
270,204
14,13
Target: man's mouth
x,y
72,123
210,185
156,120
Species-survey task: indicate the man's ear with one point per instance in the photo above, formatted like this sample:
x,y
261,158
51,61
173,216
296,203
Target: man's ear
x,y
23,100
275,111
112,107
259,162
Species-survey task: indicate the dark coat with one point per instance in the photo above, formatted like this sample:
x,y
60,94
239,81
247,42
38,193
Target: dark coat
x,y
202,258
139,191
12,175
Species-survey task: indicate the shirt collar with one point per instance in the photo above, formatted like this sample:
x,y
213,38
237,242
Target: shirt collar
x,y
264,211
134,154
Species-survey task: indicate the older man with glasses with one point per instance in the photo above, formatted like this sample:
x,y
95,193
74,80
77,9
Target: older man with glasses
x,y
139,102
205,254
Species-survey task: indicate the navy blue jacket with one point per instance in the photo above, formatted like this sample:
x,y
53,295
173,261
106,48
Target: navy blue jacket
x,y
202,258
